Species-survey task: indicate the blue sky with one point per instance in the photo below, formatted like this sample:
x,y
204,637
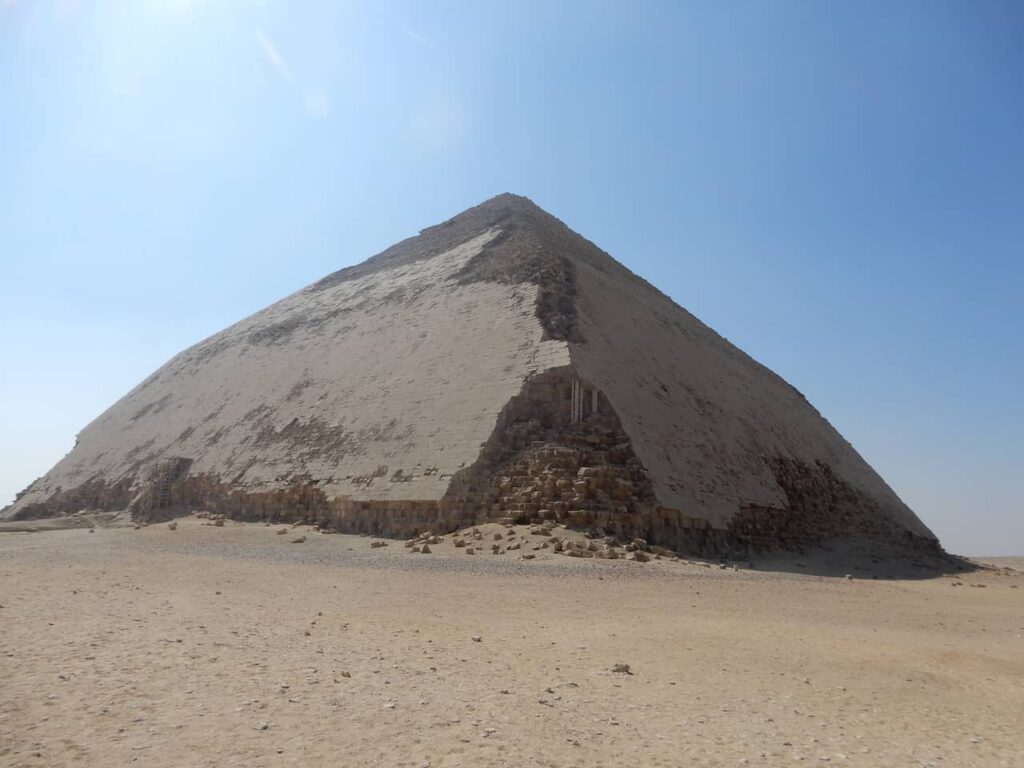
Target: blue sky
x,y
838,188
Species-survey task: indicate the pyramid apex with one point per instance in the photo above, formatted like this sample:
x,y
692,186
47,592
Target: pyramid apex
x,y
500,207
511,198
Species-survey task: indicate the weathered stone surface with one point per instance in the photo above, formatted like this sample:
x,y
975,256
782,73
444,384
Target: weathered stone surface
x,y
498,367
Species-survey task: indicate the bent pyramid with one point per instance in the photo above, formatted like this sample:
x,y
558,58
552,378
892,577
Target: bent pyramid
x,y
496,366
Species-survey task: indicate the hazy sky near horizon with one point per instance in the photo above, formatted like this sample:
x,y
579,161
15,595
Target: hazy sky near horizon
x,y
838,188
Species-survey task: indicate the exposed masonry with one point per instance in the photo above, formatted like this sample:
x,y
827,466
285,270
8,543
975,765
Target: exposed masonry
x,y
159,492
94,493
557,453
820,506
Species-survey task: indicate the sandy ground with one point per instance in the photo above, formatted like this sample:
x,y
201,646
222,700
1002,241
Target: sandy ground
x,y
222,646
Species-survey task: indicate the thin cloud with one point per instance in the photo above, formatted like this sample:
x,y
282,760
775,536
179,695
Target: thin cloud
x,y
316,102
274,56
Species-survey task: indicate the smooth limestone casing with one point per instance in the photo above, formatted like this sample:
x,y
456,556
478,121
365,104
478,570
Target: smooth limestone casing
x,y
404,370
703,415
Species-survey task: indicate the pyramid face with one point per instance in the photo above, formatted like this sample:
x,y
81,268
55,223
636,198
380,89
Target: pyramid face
x,y
496,366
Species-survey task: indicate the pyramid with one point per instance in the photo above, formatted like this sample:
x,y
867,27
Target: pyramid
x,y
497,366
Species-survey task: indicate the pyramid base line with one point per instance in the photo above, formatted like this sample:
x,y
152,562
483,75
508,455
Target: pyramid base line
x,y
753,529
558,453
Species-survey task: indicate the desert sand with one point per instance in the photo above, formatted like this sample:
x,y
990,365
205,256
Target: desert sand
x,y
222,646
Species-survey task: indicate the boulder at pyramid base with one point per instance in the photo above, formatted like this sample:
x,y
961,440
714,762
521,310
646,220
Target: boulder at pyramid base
x,y
496,366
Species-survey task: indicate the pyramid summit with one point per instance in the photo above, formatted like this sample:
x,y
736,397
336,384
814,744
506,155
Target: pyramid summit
x,y
497,365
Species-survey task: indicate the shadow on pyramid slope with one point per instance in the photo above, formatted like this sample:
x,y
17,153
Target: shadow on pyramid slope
x,y
863,558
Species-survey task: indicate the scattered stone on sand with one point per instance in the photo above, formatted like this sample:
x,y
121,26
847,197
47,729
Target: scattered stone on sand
x,y
425,549
281,531
378,544
752,682
298,539
171,526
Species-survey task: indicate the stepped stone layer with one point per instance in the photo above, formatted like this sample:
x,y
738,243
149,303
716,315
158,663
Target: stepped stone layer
x,y
497,366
